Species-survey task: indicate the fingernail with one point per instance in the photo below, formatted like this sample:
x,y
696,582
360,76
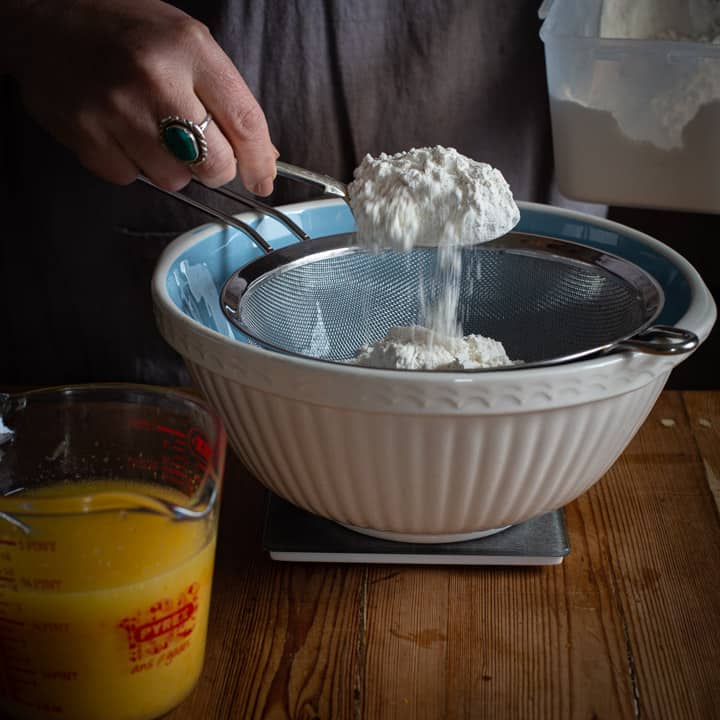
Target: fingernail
x,y
263,188
277,152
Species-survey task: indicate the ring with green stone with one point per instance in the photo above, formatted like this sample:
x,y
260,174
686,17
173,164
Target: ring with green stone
x,y
184,139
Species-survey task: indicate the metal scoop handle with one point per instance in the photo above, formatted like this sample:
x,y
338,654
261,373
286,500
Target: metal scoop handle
x,y
328,185
213,212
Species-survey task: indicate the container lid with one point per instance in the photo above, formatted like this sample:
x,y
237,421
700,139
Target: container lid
x,y
643,22
577,18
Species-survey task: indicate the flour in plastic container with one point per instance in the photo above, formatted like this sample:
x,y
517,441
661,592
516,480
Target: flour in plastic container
x,y
659,109
651,110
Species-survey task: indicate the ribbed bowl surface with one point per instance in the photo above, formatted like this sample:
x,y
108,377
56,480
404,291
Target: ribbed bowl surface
x,y
425,474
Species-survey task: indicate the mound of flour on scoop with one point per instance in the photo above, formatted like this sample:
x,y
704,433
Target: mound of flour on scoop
x,y
428,197
417,348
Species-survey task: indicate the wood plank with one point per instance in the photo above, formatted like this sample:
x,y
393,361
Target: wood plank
x,y
544,643
703,410
508,645
407,643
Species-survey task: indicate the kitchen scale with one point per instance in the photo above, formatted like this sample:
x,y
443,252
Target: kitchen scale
x,y
295,535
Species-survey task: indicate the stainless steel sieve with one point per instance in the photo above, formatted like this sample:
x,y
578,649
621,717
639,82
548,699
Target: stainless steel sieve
x,y
548,301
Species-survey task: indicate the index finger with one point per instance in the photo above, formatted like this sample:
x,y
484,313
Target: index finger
x,y
225,94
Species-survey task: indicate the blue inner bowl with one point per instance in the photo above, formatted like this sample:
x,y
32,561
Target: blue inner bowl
x,y
196,277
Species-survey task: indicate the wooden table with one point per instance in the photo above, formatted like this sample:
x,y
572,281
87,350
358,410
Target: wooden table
x,y
628,626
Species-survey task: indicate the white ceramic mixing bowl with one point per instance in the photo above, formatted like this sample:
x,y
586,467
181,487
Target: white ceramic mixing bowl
x,y
418,456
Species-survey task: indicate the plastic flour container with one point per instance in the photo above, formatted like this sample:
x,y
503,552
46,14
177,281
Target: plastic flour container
x,y
636,122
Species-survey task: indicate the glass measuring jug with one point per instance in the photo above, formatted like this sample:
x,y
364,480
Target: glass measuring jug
x,y
109,500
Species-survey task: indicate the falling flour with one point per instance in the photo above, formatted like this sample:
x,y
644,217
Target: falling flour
x,y
432,197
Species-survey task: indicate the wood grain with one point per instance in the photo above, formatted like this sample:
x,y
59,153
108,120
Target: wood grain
x,y
627,627
704,417
283,637
661,555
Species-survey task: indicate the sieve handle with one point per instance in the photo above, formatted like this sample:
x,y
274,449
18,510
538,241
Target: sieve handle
x,y
662,340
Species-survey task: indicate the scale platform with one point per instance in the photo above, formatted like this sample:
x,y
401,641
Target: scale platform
x,y
295,535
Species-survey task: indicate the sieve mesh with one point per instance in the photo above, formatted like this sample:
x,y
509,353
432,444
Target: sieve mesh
x,y
543,307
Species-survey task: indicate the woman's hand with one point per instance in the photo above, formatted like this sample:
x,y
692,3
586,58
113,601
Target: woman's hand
x,y
100,75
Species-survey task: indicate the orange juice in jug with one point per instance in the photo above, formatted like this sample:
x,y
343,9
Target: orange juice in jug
x,y
103,615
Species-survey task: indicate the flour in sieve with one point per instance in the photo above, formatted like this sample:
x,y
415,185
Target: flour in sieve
x,y
431,197
417,348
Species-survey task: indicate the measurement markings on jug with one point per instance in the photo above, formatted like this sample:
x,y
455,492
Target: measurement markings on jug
x,y
40,583
63,675
38,546
44,627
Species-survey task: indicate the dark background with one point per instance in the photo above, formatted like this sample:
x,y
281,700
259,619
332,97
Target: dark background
x,y
696,237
